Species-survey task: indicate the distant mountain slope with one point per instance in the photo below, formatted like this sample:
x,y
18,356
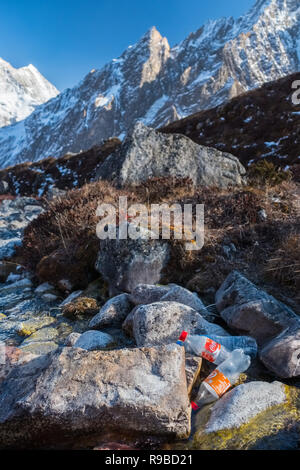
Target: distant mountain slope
x,y
262,123
158,84
67,172
21,91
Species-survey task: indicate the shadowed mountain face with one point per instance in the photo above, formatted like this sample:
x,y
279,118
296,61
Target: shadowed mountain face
x,y
157,84
260,124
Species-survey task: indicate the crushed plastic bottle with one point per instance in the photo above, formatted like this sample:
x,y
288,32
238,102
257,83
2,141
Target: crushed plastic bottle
x,y
217,349
222,379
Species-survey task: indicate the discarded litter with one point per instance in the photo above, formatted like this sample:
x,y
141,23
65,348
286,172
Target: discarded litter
x,y
217,349
222,378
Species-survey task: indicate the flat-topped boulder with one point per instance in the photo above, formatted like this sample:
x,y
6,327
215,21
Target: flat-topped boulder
x,y
75,392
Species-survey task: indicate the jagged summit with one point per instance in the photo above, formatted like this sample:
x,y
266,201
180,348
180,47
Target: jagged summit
x,y
156,84
21,91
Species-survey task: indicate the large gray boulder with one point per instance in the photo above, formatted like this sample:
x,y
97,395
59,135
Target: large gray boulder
x,y
126,263
252,416
76,392
275,326
147,153
162,323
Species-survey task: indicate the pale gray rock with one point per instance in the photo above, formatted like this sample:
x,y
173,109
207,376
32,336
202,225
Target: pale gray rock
x,y
77,392
274,325
162,323
94,340
243,403
147,153
126,263
144,294
113,313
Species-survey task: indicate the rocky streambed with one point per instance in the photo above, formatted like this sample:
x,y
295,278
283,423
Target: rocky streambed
x,y
95,370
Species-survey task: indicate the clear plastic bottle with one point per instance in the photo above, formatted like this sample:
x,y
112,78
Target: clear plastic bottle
x,y
222,378
204,347
217,349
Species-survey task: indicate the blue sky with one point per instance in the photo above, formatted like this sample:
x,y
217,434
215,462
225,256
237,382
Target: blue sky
x,y
65,39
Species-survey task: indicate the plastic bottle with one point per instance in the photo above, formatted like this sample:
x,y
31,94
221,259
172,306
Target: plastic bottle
x,y
246,343
217,349
204,347
222,378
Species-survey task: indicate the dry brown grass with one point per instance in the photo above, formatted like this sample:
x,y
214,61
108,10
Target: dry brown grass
x,y
62,242
284,265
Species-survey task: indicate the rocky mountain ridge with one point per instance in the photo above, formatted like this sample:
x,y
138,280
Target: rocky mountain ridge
x,y
157,84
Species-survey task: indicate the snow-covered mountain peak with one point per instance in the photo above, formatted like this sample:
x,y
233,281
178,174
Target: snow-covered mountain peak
x,y
21,91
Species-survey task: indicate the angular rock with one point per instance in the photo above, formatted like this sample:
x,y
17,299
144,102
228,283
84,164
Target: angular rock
x,y
76,392
113,313
144,294
94,340
281,355
162,323
147,153
126,263
275,326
